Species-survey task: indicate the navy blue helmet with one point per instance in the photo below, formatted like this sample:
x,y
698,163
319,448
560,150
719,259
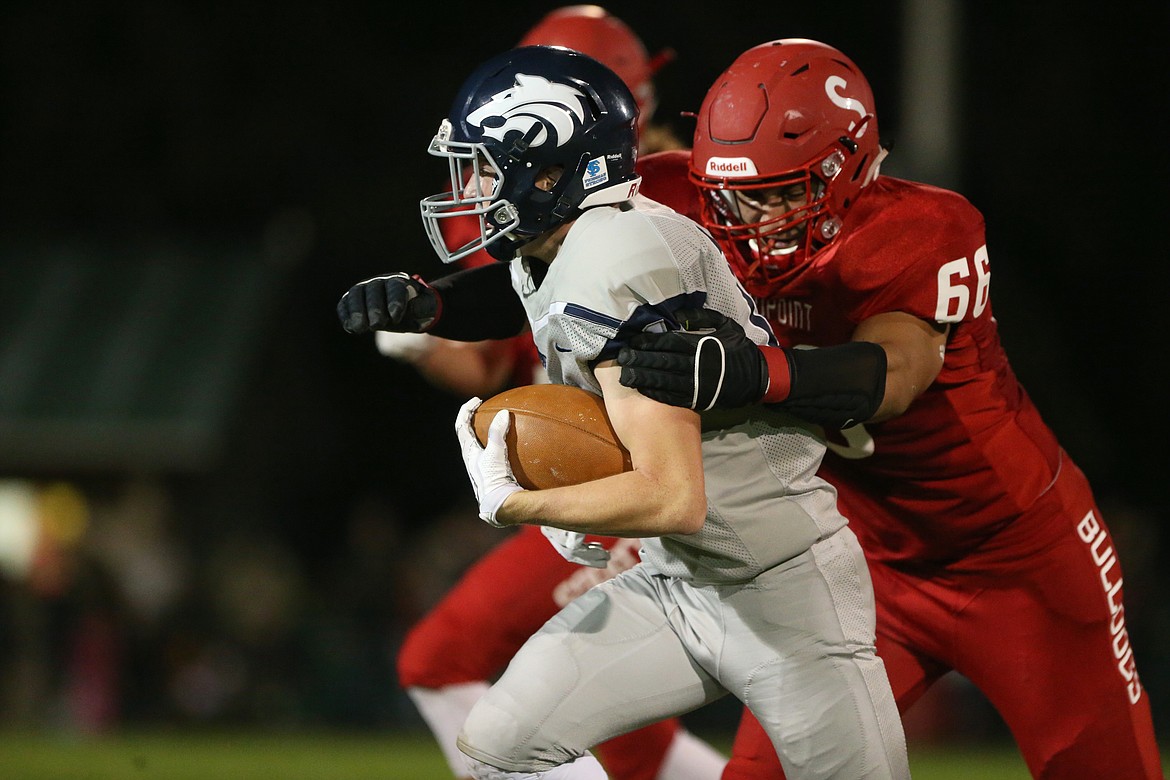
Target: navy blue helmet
x,y
530,110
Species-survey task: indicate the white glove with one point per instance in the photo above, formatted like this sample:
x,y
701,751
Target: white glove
x,y
573,547
488,467
407,347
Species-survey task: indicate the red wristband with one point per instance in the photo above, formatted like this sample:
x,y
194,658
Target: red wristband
x,y
779,374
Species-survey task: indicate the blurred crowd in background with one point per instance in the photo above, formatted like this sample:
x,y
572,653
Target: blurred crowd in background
x,y
216,508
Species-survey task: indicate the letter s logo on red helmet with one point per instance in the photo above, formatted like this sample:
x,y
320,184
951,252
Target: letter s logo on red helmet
x,y
834,83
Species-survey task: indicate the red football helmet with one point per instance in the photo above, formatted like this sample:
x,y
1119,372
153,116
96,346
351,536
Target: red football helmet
x,y
592,30
791,122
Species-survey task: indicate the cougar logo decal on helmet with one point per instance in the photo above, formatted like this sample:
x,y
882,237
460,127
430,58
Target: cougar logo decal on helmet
x,y
533,100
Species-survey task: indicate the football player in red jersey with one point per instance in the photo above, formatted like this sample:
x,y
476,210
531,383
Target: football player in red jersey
x,y
448,658
988,553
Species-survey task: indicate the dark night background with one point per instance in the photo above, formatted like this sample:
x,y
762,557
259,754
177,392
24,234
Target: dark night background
x,y
187,188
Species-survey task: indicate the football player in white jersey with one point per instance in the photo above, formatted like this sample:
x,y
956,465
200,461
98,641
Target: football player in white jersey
x,y
751,582
448,657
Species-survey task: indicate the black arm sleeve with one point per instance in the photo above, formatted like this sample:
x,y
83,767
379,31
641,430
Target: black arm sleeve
x,y
478,303
836,386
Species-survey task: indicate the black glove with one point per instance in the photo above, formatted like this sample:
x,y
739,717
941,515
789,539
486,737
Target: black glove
x,y
397,302
731,369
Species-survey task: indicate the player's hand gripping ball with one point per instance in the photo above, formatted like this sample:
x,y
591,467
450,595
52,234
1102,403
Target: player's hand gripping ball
x,y
559,435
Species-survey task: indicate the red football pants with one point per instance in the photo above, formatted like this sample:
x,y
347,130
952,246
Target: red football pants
x,y
1034,619
484,619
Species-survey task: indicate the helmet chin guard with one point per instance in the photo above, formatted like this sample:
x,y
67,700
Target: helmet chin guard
x,y
521,116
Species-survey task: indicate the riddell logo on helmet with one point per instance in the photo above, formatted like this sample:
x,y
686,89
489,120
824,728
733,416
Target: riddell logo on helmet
x,y
730,166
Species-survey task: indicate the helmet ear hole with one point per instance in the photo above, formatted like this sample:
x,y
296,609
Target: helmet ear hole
x,y
595,107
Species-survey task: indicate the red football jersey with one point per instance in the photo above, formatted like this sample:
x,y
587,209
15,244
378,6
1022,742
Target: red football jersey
x,y
972,452
929,489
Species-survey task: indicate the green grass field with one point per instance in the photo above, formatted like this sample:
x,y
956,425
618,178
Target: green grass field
x,y
247,756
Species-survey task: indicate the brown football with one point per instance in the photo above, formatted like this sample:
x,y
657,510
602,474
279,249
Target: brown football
x,y
560,435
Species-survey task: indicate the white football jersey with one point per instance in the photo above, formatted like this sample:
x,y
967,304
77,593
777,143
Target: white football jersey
x,y
620,272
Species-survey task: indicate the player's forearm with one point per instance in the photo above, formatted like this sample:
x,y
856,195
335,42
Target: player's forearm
x,y
632,504
664,493
914,349
835,386
471,305
478,304
712,364
467,368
